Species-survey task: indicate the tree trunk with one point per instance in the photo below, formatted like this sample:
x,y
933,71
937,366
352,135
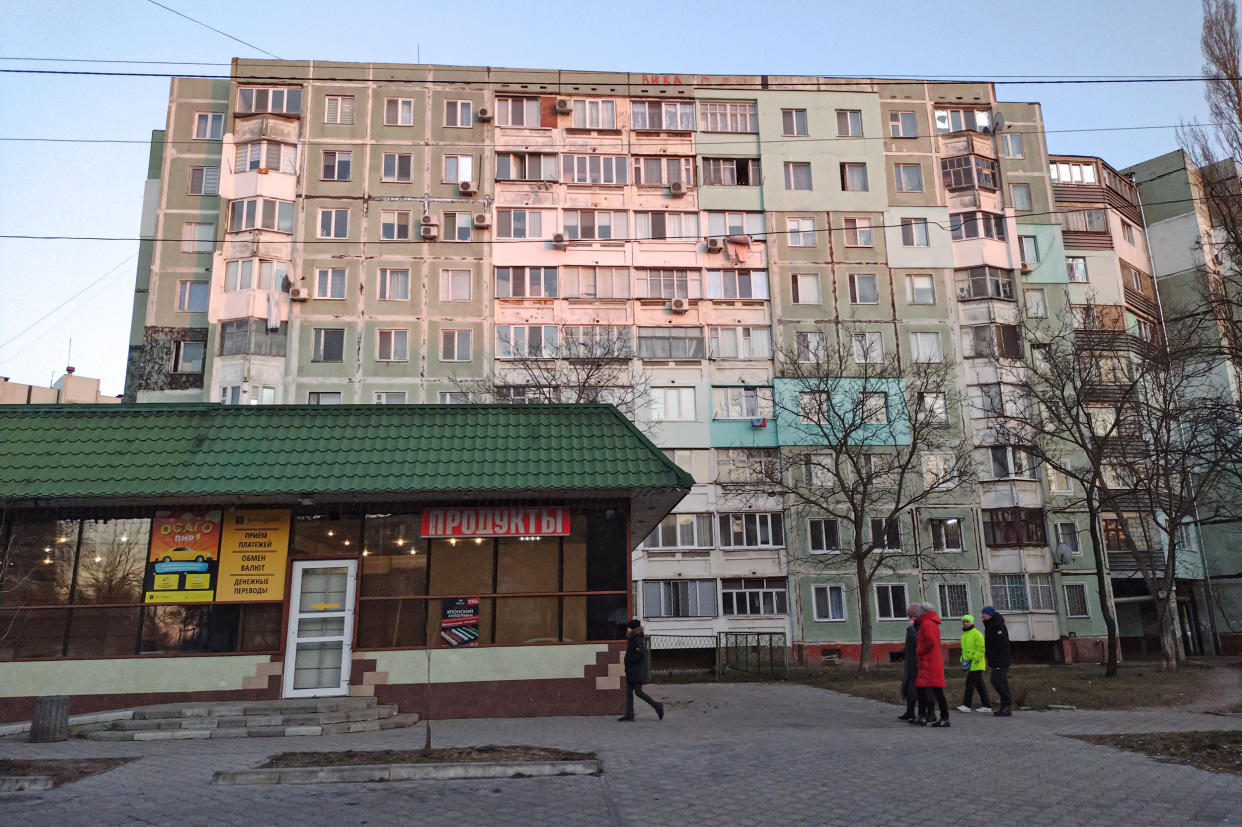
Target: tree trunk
x,y
864,615
1166,614
1101,583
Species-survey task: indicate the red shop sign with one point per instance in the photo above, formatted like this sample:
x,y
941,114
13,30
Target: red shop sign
x,y
495,522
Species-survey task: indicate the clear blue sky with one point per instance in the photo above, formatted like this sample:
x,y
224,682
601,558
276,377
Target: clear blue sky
x,y
96,189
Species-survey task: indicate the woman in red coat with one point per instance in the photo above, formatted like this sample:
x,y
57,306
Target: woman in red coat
x,y
931,666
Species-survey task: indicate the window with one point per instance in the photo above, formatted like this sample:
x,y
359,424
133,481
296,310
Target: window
x,y
188,357
801,232
874,408
810,346
679,598
330,283
204,180
329,345
858,232
754,596
797,175
984,283
390,397
829,602
1011,145
192,296
751,530
868,347
681,531
1083,220
1013,527
198,237
853,178
1011,462
208,126
793,122
524,394
251,336
459,114
946,534
597,342
1036,303
517,112
1009,593
454,345
731,172
338,109
458,226
673,226
595,282
1066,534
672,405
1127,231
273,275
741,343
962,120
394,285
1117,536
849,123
1040,586
458,168
526,341
668,284
741,402
398,167
394,346
886,534
663,171
737,284
925,347
671,116
1064,173
921,289
281,100
230,394
455,285
825,535
890,601
914,232
525,166
590,113
903,125
603,225
728,117
967,171
594,169
805,287
336,165
1076,600
1020,196
983,341
525,282
269,155
395,225
990,400
323,398
735,223
334,223
1076,267
967,225
909,177
454,398
398,112
935,406
954,600
519,224
864,289
1028,245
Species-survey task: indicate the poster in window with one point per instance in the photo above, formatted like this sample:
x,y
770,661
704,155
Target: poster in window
x,y
254,546
459,622
182,561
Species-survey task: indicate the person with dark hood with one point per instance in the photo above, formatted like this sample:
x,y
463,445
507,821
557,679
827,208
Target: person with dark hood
x,y
975,662
910,665
636,671
930,679
999,656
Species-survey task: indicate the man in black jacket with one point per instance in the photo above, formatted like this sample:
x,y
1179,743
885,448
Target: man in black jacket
x,y
910,666
999,655
636,671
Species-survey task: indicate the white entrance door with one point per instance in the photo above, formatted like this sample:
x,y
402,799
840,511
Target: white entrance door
x,y
321,626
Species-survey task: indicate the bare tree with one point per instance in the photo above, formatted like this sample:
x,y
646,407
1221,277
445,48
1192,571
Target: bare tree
x,y
874,442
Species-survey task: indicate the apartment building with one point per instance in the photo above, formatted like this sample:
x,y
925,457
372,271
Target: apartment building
x,y
69,389
320,233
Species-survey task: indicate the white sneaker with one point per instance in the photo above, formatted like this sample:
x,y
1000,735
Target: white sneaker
x,y
963,708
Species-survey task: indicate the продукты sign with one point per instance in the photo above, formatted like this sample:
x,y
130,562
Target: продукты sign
x,y
495,522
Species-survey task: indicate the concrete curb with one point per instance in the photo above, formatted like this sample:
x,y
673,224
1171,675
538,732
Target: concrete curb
x,y
24,783
406,772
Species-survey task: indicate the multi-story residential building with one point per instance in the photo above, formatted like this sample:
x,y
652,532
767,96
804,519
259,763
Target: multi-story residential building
x,y
365,233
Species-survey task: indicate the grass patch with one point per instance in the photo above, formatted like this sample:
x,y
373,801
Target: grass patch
x,y
62,770
444,755
1217,750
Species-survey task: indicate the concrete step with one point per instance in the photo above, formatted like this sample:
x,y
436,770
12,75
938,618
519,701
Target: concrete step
x,y
277,719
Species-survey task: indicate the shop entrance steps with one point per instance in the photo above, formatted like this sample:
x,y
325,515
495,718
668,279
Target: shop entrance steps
x,y
250,719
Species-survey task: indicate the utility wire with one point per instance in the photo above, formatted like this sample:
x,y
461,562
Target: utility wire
x,y
213,28
37,321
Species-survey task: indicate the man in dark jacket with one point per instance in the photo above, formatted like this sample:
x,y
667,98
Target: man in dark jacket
x,y
636,671
999,655
910,664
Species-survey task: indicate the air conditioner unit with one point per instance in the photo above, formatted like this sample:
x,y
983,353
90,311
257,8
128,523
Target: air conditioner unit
x,y
715,245
485,114
758,422
677,189
1026,267
299,294
679,305
429,219
466,187
558,241
564,107
429,232
482,221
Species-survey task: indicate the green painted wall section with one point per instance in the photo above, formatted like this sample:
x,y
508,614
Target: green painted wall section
x,y
490,664
127,675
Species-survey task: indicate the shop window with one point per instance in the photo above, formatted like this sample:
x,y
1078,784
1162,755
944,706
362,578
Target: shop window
x,y
40,558
112,562
325,536
388,624
33,633
210,628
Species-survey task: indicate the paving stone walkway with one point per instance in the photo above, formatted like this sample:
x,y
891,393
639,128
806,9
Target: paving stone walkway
x,y
751,754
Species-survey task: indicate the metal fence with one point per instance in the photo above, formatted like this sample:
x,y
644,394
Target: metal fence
x,y
682,652
754,653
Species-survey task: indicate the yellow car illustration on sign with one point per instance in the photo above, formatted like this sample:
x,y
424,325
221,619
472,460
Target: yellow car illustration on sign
x,y
181,553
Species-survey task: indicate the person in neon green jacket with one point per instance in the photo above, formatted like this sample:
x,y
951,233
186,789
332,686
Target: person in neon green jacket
x,y
974,661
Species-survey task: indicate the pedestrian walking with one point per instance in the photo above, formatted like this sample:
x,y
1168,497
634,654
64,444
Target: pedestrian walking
x,y
930,679
636,671
910,664
999,655
973,654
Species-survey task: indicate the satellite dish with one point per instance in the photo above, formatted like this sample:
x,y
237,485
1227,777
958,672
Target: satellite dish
x,y
998,122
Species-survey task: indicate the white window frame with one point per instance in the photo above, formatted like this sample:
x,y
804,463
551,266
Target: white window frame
x,y
204,181
527,283
391,173
897,123
188,291
514,341
1076,269
810,346
1014,189
940,540
388,278
458,227
791,177
683,407
858,231
801,232
593,113
183,362
699,527
913,289
528,106
852,125
744,342
1062,531
820,526
460,162
828,589
728,116
1069,602
451,282
792,125
390,397
921,351
323,398
857,282
595,170
341,161
404,111
738,284
868,347
897,609
1011,145
198,237
903,181
392,226
462,340
779,595
914,233
741,402
338,109
668,165
327,284
319,342
848,171
947,601
1028,249
678,598
763,523
337,223
805,288
453,398
463,108
208,126
398,345
530,229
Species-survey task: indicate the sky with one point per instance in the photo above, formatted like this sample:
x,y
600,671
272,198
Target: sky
x,y
76,297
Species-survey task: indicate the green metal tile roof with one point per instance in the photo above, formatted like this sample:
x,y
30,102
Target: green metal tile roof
x,y
152,452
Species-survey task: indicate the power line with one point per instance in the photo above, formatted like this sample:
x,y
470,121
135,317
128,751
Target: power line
x,y
46,315
213,28
130,62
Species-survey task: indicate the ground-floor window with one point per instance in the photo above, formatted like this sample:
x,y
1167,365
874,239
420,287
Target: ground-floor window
x,y
890,601
1009,593
954,600
679,598
1076,600
754,596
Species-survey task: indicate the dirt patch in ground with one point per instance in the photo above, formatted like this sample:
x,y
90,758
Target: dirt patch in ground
x,y
62,770
1217,750
443,755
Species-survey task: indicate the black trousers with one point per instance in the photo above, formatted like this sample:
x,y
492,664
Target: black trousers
x,y
1000,682
632,689
974,680
934,695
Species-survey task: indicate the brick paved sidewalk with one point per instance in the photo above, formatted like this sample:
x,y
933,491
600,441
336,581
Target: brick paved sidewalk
x,y
765,753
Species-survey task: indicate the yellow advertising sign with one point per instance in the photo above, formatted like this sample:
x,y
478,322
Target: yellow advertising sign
x,y
254,546
181,562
